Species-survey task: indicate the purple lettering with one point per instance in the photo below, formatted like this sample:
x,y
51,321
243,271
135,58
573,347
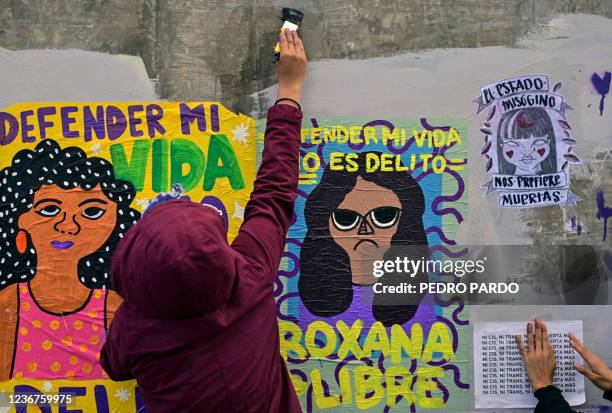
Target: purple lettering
x,y
116,122
7,135
140,407
214,117
42,122
102,399
93,123
23,390
26,127
134,122
67,121
154,114
68,395
188,115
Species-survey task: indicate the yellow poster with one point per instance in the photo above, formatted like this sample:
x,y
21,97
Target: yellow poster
x,y
74,177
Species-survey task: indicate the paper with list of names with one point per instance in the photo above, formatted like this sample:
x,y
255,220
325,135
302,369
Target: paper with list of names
x,y
499,373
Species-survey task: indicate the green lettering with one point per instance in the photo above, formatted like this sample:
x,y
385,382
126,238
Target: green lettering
x,y
160,165
186,152
220,148
134,170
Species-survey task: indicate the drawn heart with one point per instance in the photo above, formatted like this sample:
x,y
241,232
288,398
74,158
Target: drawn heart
x,y
541,151
602,85
509,154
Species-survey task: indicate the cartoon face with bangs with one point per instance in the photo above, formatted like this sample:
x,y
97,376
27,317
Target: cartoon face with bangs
x,y
354,219
526,143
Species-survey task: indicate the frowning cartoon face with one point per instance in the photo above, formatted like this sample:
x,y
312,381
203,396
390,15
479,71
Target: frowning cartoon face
x,y
363,225
526,154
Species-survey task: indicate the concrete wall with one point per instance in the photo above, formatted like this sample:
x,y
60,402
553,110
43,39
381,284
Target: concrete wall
x,y
211,49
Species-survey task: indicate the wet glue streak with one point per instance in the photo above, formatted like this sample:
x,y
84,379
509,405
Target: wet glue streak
x,y
292,19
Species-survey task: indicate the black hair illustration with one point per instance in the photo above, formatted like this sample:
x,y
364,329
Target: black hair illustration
x,y
67,168
325,283
522,124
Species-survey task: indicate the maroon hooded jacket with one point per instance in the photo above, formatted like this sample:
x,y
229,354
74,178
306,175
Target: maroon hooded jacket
x,y
197,327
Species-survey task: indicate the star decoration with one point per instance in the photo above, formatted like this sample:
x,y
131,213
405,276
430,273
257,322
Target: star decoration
x,y
241,133
123,394
96,148
143,203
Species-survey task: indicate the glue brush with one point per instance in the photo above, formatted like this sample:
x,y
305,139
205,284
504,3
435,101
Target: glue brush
x,y
292,19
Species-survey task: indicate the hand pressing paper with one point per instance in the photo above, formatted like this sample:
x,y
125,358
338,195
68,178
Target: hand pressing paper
x,y
499,374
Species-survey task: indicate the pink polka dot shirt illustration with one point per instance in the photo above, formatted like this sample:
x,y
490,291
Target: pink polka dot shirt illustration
x,y
59,346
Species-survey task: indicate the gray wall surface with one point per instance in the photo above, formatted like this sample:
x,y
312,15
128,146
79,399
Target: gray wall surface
x,y
199,49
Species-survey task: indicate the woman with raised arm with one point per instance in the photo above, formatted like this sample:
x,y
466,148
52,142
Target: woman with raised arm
x,y
198,327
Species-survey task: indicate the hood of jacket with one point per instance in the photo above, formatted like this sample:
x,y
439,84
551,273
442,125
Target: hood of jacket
x,y
175,262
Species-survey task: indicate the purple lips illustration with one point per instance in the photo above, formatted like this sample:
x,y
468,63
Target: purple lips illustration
x,y
59,245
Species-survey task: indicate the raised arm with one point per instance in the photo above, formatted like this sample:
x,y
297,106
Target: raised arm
x,y
268,213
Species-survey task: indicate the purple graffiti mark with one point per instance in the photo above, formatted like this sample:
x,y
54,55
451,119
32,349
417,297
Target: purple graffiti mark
x,y
300,374
309,399
280,301
602,86
442,387
278,286
456,376
381,363
450,198
302,194
341,364
294,241
575,225
440,232
603,212
453,330
457,311
413,366
326,390
292,360
296,265
426,125
448,252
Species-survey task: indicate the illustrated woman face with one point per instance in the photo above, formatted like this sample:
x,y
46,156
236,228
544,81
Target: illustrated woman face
x,y
68,224
363,225
526,154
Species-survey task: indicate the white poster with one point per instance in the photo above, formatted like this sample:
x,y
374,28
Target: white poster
x,y
499,373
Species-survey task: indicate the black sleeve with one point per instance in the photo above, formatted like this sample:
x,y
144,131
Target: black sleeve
x,y
550,400
608,395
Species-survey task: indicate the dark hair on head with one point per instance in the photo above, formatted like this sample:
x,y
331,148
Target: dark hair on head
x,y
522,124
325,284
67,168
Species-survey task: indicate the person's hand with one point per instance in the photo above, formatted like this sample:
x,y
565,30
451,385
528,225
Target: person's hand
x,y
600,374
291,67
538,356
